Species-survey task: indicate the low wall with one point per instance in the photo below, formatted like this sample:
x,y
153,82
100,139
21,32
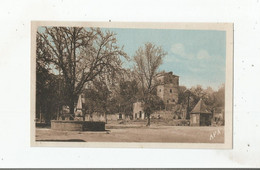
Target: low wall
x,y
42,125
93,126
71,125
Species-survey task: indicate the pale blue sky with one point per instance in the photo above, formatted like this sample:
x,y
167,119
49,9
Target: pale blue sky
x,y
197,56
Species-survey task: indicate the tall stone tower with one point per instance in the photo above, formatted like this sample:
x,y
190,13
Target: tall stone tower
x,y
168,88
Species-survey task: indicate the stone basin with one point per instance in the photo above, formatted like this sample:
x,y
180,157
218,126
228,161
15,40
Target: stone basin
x,y
72,125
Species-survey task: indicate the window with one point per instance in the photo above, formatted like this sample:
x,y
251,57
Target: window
x,y
136,115
160,90
170,90
120,116
173,100
167,101
140,114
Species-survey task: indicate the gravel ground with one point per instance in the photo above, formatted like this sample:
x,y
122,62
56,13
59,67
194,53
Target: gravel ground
x,y
137,133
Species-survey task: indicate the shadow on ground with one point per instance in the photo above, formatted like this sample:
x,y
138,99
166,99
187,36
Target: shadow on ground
x,y
69,140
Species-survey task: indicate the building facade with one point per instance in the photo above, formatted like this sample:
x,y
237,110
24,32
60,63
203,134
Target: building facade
x,y
167,89
138,111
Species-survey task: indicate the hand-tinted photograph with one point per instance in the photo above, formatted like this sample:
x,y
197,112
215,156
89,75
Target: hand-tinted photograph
x,y
155,83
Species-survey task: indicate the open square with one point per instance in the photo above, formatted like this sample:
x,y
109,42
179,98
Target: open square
x,y
132,84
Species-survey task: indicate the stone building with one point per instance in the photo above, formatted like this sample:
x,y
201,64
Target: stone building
x,y
200,116
167,89
138,111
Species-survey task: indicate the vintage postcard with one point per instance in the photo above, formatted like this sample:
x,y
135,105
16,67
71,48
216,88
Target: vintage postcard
x,y
142,85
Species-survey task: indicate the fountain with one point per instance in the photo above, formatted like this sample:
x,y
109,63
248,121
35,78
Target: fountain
x,y
78,124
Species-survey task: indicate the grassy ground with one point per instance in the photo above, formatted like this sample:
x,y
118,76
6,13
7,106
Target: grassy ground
x,y
137,132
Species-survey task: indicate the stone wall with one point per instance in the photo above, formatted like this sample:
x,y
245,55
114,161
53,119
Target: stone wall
x,y
95,117
168,90
170,95
195,119
160,91
117,116
94,126
63,125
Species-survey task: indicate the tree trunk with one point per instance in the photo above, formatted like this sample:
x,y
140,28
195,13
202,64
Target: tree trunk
x,y
41,117
148,119
106,117
188,107
71,109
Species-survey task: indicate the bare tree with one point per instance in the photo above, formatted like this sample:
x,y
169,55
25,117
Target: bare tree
x,y
148,59
80,54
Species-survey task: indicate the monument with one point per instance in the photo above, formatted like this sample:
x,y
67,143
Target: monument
x,y
78,124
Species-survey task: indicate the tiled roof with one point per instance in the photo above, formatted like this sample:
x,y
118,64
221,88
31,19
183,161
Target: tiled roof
x,y
200,108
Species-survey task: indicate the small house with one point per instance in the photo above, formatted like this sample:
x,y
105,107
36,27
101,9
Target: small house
x,y
200,116
138,111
